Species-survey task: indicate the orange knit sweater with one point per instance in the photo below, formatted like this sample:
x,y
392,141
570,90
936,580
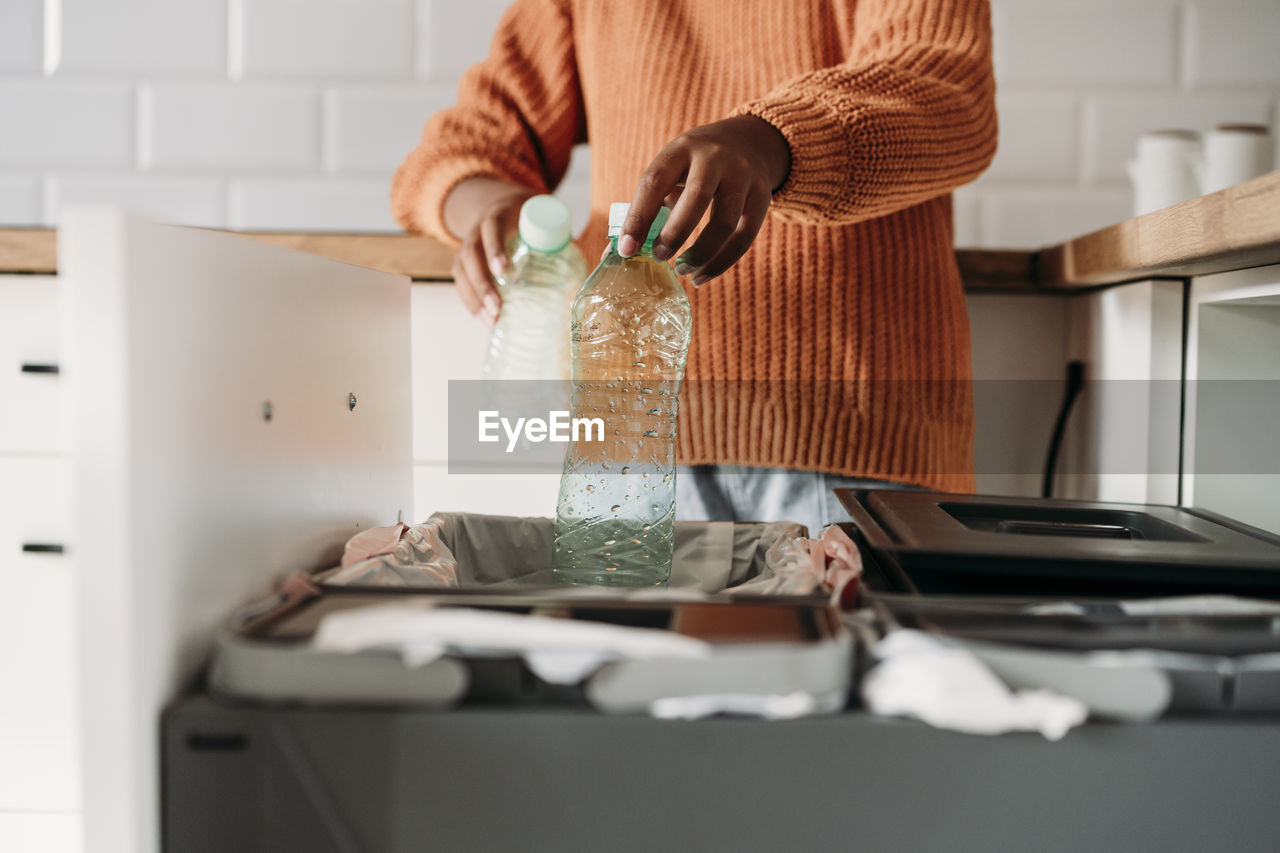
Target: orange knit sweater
x,y
840,341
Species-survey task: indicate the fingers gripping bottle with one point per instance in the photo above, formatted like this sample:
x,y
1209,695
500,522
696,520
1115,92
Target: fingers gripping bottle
x,y
629,341
531,339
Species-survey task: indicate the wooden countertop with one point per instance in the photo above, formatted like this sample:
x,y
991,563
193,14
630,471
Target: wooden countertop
x,y
1233,229
1236,228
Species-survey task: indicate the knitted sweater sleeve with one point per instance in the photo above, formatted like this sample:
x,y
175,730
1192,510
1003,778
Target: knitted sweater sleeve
x,y
909,115
518,116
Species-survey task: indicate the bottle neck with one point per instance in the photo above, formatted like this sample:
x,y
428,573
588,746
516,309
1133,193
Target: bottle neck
x,y
645,251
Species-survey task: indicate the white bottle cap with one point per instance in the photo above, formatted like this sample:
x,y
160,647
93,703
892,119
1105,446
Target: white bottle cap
x,y
618,214
545,224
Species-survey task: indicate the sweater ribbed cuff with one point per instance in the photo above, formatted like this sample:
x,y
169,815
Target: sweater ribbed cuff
x,y
820,171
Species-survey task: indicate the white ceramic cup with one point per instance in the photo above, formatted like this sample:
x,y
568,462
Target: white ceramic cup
x,y
1163,173
1234,153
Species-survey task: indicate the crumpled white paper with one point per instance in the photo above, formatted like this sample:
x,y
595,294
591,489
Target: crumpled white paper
x,y
949,688
560,651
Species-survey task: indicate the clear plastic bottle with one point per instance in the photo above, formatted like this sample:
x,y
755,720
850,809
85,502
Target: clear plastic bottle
x,y
531,338
630,338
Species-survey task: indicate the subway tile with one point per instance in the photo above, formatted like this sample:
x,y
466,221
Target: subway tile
x,y
454,36
21,35
372,128
144,36
1113,123
327,38
965,216
1028,218
335,204
20,200
1050,42
1233,43
65,123
180,200
231,126
1038,135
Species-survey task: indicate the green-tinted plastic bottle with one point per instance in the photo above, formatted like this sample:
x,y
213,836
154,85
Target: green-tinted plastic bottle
x,y
629,341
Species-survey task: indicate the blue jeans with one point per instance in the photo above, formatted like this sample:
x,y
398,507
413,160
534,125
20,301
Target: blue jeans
x,y
744,493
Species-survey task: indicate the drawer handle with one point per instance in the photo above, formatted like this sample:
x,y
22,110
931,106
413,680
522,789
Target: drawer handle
x,y
41,548
51,369
209,742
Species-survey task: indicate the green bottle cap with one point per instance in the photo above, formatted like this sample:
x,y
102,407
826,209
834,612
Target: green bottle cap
x,y
618,214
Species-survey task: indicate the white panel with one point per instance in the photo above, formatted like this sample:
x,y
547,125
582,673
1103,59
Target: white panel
x,y
373,128
229,126
313,204
448,343
39,734
1122,440
20,35
1233,43
1087,41
346,38
144,36
40,833
1234,334
436,490
454,36
191,501
66,123
182,201
30,419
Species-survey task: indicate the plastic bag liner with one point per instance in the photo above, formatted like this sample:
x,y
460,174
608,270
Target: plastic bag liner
x,y
452,549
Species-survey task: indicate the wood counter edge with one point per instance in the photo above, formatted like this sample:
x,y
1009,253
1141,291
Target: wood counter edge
x,y
34,250
1236,228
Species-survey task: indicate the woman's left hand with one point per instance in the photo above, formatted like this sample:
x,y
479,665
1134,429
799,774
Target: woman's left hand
x,y
732,167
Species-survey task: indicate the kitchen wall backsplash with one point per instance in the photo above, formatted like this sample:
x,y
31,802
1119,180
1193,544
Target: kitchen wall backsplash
x,y
278,114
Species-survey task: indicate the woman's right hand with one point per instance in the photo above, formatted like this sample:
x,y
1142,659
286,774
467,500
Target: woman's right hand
x,y
486,212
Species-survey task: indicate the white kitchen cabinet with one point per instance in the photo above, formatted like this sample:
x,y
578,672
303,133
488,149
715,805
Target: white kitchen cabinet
x,y
39,734
30,419
449,345
1122,441
1232,449
235,412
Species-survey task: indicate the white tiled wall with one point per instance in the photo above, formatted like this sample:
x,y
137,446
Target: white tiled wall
x,y
294,113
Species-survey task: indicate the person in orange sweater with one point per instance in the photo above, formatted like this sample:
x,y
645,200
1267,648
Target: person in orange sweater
x,y
818,141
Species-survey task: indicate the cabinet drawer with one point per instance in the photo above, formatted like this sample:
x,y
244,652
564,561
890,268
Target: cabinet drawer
x,y
29,394
448,343
38,639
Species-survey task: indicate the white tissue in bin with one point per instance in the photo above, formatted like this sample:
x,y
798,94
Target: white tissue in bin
x,y
561,651
949,688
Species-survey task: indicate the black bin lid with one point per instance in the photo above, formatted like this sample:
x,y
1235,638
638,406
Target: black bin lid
x,y
930,534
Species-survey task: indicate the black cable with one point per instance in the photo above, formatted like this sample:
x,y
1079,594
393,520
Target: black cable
x,y
1075,382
